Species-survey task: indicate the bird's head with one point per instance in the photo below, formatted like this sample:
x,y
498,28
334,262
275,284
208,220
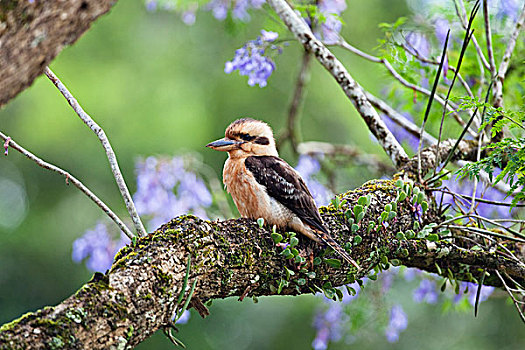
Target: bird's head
x,y
246,137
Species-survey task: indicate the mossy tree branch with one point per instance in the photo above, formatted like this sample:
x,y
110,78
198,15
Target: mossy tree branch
x,y
235,258
33,33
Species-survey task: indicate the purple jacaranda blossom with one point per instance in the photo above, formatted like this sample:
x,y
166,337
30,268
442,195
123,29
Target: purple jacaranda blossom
x,y
400,133
410,273
418,44
189,16
466,187
165,189
151,5
219,8
184,318
508,9
398,322
469,290
97,247
426,292
329,324
441,27
331,27
307,166
251,60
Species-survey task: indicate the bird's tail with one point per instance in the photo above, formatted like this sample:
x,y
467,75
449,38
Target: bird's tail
x,y
335,246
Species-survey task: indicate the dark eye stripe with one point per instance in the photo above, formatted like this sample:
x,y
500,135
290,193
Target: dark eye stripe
x,y
246,137
261,140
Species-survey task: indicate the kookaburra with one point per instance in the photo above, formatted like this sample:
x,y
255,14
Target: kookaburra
x,y
265,186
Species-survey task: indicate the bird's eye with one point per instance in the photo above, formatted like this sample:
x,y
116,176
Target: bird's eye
x,y
246,137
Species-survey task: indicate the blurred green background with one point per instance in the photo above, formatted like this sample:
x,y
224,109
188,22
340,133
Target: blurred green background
x,y
157,86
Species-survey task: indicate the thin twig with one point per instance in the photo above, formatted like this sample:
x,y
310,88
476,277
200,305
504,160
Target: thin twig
x,y
441,100
141,231
481,200
511,295
292,130
488,38
486,232
462,15
351,88
505,60
69,178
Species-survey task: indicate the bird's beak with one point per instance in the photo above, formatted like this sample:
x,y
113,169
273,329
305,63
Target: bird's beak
x,y
224,145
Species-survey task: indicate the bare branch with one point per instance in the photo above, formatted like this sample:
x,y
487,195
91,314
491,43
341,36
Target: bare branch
x,y
488,38
69,178
354,154
121,183
351,88
505,61
292,126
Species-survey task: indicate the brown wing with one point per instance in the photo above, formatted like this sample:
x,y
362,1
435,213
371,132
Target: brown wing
x,y
286,186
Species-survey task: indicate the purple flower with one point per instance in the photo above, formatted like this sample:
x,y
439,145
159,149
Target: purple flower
x,y
426,292
330,28
418,44
240,8
329,324
184,318
411,273
307,166
509,8
483,190
470,290
400,133
166,189
398,323
268,36
97,246
151,5
189,17
251,60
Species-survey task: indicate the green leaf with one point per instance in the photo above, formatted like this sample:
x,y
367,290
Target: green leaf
x,y
295,252
335,263
294,241
388,207
372,277
358,209
354,228
400,236
424,206
391,215
371,226
401,196
433,237
360,216
399,183
410,234
277,237
310,275
260,222
301,281
357,239
395,262
362,201
317,260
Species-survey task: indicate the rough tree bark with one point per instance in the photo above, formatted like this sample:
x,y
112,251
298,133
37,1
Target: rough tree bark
x,y
32,34
236,258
